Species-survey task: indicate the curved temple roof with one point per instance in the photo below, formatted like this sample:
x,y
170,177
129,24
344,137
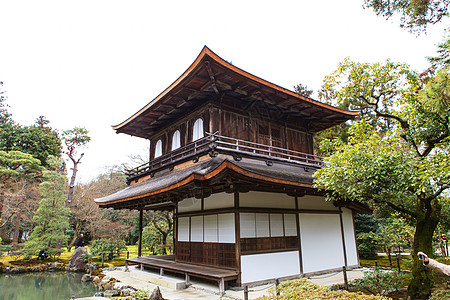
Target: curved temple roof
x,y
209,76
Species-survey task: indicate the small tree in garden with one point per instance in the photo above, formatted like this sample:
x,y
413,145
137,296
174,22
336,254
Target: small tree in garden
x,y
157,235
74,139
365,227
52,217
109,246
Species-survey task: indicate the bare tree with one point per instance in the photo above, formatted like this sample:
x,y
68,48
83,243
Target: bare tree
x,y
73,139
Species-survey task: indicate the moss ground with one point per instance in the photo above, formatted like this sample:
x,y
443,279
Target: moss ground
x,y
18,261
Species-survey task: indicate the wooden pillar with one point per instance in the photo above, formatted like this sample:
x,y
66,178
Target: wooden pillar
x,y
237,234
297,221
141,214
343,236
175,231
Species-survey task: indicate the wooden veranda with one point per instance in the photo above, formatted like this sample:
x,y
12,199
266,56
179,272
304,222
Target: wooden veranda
x,y
164,263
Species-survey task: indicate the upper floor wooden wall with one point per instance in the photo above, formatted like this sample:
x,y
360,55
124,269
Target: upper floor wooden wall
x,y
244,124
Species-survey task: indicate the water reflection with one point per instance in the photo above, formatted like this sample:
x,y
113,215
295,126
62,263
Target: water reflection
x,y
44,285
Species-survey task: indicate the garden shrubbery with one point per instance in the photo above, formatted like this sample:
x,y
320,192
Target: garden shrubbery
x,y
381,281
302,289
109,247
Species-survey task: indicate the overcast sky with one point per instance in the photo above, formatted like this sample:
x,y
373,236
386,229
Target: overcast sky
x,y
95,63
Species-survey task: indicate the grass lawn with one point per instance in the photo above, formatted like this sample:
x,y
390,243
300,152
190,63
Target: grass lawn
x,y
383,261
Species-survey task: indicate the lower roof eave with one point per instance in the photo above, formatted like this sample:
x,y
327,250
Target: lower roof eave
x,y
164,191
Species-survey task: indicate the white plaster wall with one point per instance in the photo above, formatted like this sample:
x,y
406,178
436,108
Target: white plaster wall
x,y
269,266
226,228
211,230
315,202
183,229
221,200
268,200
349,233
190,204
321,242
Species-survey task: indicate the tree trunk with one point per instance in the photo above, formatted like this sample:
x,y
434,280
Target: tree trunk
x,y
16,229
164,243
72,183
422,282
76,235
388,252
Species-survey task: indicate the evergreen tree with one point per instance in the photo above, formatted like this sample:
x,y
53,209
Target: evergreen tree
x,y
52,217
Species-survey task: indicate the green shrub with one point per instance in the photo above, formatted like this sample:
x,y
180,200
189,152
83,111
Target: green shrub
x,y
367,247
108,247
302,289
440,294
381,281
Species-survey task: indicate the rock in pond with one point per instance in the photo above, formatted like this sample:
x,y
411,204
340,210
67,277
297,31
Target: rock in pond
x,y
76,262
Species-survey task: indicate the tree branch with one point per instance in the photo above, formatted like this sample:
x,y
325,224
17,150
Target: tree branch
x,y
398,208
437,193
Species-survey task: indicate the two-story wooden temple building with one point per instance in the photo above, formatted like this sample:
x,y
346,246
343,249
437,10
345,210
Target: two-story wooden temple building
x,y
232,156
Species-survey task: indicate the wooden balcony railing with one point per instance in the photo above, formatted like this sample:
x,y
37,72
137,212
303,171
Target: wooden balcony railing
x,y
214,143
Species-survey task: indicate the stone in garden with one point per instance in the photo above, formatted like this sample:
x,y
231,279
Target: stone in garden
x,y
19,270
125,291
86,278
156,295
110,293
93,267
76,263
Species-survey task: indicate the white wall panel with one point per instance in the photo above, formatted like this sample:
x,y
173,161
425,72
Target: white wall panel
x,y
247,221
226,228
349,233
276,225
197,229
262,225
190,204
321,242
315,202
183,229
268,200
290,224
221,200
269,265
211,230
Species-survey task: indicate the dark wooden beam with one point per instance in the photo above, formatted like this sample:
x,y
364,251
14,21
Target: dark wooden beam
x,y
141,215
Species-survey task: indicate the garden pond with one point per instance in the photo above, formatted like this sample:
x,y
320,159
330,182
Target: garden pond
x,y
44,285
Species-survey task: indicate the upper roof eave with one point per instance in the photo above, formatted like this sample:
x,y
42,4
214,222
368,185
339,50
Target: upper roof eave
x,y
208,52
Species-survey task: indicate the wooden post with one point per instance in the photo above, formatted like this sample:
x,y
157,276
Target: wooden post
x,y
398,262
128,254
246,292
277,282
343,236
237,234
141,212
297,222
221,286
344,271
103,258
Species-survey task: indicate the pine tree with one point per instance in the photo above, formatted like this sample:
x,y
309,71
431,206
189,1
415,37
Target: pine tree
x,y
52,217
